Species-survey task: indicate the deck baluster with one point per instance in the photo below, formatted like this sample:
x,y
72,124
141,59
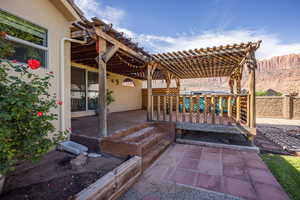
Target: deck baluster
x,y
238,109
158,108
229,107
152,108
165,108
170,108
177,108
191,109
206,109
198,109
213,109
183,109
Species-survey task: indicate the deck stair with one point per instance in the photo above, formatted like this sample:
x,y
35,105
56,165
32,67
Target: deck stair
x,y
147,141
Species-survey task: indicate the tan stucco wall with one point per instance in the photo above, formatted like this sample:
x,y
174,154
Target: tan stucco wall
x,y
43,13
126,98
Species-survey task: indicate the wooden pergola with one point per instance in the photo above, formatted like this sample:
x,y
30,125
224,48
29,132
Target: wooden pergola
x,y
109,50
223,61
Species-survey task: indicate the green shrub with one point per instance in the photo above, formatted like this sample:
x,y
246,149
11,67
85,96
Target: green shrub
x,y
25,117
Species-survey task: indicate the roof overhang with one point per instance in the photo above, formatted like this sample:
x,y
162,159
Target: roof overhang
x,y
68,9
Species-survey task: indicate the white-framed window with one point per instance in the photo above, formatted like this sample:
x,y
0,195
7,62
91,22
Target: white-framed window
x,y
25,40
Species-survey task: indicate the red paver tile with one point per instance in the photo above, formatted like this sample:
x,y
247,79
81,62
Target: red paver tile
x,y
188,163
239,188
250,155
256,164
182,176
238,172
157,172
151,197
210,167
262,176
230,152
230,159
270,192
211,150
208,182
211,156
192,154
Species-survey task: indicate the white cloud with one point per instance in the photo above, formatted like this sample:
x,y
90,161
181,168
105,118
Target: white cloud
x,y
271,45
93,8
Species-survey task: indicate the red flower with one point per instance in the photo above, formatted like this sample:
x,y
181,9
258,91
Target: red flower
x,y
59,102
14,61
33,64
51,73
40,114
3,35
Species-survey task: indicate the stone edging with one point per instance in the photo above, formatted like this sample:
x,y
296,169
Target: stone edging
x,y
114,183
226,146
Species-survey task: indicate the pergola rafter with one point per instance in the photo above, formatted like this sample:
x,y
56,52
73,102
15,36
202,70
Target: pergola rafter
x,y
205,62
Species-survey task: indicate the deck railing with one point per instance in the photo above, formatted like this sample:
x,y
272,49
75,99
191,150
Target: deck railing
x,y
210,109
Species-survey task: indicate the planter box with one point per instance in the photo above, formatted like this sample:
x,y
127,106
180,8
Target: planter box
x,y
114,183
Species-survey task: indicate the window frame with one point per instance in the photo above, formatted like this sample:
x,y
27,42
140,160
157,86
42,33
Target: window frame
x,y
31,44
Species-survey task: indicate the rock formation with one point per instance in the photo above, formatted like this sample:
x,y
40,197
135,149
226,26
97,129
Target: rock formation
x,y
280,73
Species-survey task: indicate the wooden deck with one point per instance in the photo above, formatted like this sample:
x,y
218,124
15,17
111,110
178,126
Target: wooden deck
x,y
87,126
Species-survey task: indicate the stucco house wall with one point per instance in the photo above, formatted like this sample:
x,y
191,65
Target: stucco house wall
x,y
46,15
126,98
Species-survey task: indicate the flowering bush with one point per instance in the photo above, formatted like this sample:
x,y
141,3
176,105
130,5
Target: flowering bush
x,y
25,117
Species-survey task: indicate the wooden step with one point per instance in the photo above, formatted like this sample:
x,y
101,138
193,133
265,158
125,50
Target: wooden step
x,y
139,135
154,153
151,141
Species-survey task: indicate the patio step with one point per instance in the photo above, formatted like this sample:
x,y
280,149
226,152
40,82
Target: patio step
x,y
139,135
150,141
154,153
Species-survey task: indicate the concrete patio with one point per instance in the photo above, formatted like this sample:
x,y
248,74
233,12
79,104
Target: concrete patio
x,y
194,172
88,126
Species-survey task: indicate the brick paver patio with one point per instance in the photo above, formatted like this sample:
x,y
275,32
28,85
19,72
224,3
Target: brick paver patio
x,y
235,173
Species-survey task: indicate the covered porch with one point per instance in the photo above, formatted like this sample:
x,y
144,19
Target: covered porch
x,y
108,51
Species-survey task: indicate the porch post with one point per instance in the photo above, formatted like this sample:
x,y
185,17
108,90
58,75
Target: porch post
x,y
251,65
252,95
102,104
149,92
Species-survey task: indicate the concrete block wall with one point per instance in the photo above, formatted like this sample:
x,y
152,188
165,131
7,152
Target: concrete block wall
x,y
287,107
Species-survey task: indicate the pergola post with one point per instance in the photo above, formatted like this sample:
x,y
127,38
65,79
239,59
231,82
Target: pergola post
x,y
149,92
251,85
104,55
102,104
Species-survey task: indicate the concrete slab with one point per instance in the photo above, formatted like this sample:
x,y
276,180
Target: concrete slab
x,y
206,173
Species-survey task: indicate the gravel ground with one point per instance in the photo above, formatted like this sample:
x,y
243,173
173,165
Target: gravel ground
x,y
285,133
173,192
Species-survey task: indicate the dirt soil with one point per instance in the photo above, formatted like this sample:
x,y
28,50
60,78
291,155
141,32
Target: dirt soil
x,y
222,138
53,178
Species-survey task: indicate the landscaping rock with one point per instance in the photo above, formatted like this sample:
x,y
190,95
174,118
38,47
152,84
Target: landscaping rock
x,y
72,147
78,162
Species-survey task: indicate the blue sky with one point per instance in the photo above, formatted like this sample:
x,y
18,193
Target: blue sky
x,y
168,25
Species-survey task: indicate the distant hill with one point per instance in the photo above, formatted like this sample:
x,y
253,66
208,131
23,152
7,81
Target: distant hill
x,y
280,73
